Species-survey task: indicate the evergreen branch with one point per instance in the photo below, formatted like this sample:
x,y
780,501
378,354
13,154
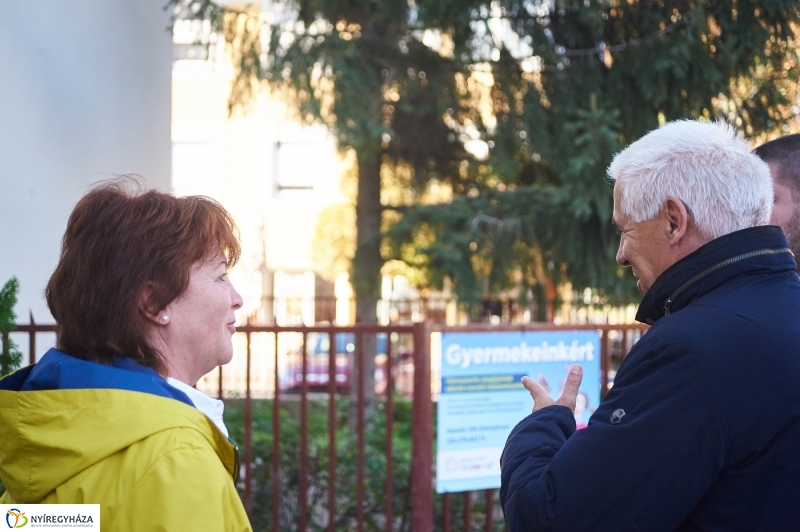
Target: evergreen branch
x,y
10,355
582,52
497,222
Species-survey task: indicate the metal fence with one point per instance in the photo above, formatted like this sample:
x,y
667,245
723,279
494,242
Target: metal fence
x,y
438,308
359,332
615,340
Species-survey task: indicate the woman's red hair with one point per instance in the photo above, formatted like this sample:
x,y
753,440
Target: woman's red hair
x,y
121,245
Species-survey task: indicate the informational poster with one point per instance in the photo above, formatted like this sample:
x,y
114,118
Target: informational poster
x,y
482,398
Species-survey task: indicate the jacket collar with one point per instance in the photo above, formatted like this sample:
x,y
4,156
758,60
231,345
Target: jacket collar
x,y
59,371
762,248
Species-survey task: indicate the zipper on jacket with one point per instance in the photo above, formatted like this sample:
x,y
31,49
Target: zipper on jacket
x,y
711,269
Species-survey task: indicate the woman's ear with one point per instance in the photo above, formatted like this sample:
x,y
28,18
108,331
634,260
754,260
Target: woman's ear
x,y
146,307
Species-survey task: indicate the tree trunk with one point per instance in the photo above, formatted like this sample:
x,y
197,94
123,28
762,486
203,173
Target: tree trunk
x,y
367,267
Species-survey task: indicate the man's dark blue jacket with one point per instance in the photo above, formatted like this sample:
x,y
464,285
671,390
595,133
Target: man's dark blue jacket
x,y
710,436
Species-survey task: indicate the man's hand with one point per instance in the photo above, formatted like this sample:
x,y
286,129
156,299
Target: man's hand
x,y
541,398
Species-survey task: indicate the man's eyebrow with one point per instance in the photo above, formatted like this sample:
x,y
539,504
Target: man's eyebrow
x,y
614,223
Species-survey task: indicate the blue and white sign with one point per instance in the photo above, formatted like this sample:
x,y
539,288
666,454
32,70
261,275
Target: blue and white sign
x,y
482,398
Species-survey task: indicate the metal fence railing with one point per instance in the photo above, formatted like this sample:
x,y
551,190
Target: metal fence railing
x,y
404,372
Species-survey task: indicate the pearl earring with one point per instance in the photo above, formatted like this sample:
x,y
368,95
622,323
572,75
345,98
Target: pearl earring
x,y
165,318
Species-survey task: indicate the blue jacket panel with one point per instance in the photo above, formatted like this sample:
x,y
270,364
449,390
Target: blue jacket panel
x,y
59,371
710,435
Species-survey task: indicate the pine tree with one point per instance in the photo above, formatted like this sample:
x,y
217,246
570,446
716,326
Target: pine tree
x,y
593,77
362,69
551,88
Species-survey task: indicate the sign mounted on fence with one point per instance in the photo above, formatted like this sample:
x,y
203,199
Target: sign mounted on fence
x,y
482,398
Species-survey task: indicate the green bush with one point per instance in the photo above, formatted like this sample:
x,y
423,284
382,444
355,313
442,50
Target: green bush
x,y
10,355
317,465
346,456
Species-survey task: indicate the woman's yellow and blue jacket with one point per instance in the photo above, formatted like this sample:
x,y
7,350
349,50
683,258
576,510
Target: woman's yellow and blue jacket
x,y
73,432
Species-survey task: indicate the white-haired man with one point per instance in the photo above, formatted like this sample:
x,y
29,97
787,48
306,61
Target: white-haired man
x,y
701,430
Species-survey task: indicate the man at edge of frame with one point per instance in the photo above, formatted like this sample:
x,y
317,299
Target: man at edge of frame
x,y
700,430
782,155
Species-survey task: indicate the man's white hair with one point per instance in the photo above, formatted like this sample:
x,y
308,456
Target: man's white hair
x,y
706,165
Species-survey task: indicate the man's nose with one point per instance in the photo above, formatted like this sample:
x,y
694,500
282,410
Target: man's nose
x,y
622,260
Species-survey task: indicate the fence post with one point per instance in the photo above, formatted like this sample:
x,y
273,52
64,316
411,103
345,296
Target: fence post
x,y
248,434
605,361
422,433
32,342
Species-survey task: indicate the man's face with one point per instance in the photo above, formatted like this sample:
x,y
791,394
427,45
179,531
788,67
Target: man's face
x,y
643,246
785,211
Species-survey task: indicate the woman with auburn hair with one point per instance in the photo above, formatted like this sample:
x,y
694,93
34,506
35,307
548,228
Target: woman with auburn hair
x,y
144,308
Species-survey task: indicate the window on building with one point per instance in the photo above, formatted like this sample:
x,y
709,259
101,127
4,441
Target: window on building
x,y
195,169
298,166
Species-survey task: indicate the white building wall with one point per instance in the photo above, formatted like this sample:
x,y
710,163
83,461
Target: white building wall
x,y
273,174
84,95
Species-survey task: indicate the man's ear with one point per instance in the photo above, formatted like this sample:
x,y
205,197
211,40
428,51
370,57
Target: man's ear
x,y
147,308
677,218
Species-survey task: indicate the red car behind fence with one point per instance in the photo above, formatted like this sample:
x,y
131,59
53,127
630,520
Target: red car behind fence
x,y
317,372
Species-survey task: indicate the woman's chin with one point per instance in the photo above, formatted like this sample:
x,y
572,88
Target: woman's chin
x,y
226,358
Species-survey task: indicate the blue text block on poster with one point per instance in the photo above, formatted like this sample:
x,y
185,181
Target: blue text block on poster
x,y
482,398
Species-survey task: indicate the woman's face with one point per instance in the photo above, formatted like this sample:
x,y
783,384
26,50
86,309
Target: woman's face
x,y
201,320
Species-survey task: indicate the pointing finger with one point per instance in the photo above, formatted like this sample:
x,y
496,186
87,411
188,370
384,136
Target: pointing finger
x,y
571,387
